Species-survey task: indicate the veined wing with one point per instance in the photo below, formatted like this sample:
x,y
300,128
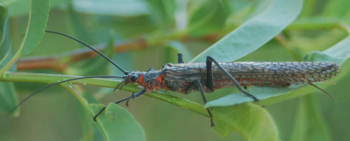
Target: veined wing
x,y
291,72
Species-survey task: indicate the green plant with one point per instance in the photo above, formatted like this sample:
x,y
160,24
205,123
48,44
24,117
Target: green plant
x,y
276,30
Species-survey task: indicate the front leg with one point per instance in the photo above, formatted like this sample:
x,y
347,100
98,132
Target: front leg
x,y
139,93
210,77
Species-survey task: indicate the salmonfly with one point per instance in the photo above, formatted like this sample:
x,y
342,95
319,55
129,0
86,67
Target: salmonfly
x,y
211,75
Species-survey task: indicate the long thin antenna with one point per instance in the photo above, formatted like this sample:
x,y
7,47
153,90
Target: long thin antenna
x,y
125,72
78,78
324,91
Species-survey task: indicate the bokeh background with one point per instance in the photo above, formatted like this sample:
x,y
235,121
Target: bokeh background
x,y
53,113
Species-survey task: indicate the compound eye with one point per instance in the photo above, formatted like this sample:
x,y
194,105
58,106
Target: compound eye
x,y
134,78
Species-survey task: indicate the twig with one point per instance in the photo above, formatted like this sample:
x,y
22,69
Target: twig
x,y
56,63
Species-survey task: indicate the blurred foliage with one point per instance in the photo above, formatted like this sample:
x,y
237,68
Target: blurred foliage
x,y
228,30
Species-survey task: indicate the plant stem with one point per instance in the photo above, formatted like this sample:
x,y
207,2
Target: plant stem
x,y
53,78
56,62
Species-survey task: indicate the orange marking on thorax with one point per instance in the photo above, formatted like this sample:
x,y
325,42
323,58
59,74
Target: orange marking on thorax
x,y
159,78
140,79
162,83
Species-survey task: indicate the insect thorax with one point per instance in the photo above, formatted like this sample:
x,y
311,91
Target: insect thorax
x,y
151,76
152,80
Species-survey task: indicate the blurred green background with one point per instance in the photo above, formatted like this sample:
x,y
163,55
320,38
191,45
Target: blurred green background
x,y
54,115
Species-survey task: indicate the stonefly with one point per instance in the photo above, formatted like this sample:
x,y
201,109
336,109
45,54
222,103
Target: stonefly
x,y
211,75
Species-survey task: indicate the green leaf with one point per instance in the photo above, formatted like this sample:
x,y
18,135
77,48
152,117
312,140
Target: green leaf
x,y
336,8
35,30
6,50
240,11
21,7
309,8
38,18
308,125
261,93
254,33
252,121
339,53
116,123
206,18
8,97
84,115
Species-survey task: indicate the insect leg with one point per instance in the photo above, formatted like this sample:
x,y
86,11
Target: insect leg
x,y
189,88
245,87
210,82
179,58
127,102
324,91
210,74
119,86
139,93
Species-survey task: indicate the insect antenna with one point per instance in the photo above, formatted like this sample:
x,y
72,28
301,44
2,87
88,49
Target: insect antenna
x,y
77,78
324,91
125,72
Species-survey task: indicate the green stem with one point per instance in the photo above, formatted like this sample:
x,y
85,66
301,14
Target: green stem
x,y
183,103
53,78
313,24
10,63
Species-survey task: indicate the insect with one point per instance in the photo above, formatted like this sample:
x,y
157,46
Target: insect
x,y
211,75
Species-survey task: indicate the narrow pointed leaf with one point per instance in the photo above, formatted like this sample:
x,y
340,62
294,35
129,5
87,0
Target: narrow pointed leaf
x,y
22,7
116,123
339,53
252,121
38,18
336,8
35,30
254,33
8,97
